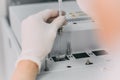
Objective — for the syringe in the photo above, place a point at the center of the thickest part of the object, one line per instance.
(60, 7)
(61, 29)
(60, 13)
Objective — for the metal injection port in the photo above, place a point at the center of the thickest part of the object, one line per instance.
(88, 62)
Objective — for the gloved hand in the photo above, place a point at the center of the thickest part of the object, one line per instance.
(38, 35)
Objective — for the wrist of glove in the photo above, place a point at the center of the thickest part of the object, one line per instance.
(38, 35)
(28, 55)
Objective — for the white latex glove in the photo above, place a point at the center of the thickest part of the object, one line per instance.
(38, 36)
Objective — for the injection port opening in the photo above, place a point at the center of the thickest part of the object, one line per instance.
(100, 52)
(56, 59)
(74, 23)
(69, 66)
(81, 55)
